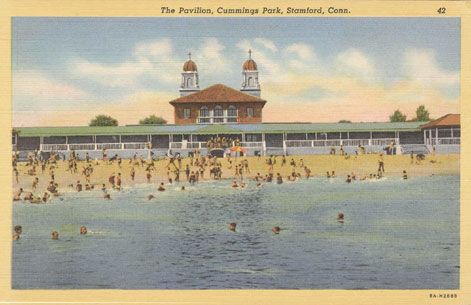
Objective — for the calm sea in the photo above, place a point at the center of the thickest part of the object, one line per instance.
(396, 235)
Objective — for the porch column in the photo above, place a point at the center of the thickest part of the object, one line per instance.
(425, 137)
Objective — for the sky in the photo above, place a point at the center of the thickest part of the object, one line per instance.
(68, 70)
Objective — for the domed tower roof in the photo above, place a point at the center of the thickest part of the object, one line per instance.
(189, 65)
(249, 64)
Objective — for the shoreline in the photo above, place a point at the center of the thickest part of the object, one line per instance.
(361, 165)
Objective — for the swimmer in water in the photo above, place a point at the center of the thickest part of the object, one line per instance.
(78, 187)
(279, 180)
(161, 187)
(259, 184)
(55, 235)
(17, 195)
(328, 174)
(107, 197)
(232, 226)
(340, 218)
(83, 230)
(276, 230)
(28, 196)
(46, 197)
(234, 184)
(183, 188)
(18, 231)
(149, 197)
(35, 200)
(333, 174)
(349, 179)
(242, 184)
(404, 175)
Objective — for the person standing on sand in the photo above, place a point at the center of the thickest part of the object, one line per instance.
(118, 182)
(104, 154)
(308, 172)
(133, 173)
(187, 172)
(111, 180)
(148, 176)
(16, 175)
(381, 163)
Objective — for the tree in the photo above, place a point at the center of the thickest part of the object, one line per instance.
(422, 114)
(153, 120)
(345, 121)
(103, 120)
(397, 116)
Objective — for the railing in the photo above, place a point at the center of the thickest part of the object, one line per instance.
(356, 142)
(251, 144)
(54, 147)
(82, 147)
(109, 146)
(135, 146)
(92, 146)
(193, 145)
(299, 143)
(217, 120)
(176, 145)
(347, 142)
(382, 142)
(446, 141)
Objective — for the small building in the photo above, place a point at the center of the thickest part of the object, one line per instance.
(443, 134)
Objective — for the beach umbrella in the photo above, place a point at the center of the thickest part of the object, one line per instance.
(238, 148)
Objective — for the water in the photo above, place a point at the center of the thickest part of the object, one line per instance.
(397, 235)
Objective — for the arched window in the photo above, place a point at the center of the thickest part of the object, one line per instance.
(189, 82)
(232, 111)
(218, 111)
(250, 81)
(204, 112)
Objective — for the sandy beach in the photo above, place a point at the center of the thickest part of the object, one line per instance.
(361, 165)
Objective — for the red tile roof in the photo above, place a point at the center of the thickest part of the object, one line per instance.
(447, 120)
(218, 94)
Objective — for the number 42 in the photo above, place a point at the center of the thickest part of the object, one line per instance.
(441, 10)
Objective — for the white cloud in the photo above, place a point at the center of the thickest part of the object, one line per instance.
(422, 66)
(154, 59)
(354, 61)
(303, 51)
(266, 43)
(210, 58)
(36, 85)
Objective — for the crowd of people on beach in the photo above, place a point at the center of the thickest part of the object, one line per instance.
(222, 142)
(192, 172)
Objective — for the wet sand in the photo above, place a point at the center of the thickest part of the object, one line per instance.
(361, 165)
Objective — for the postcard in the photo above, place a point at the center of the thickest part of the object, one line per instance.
(247, 153)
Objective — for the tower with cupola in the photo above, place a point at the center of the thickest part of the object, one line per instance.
(250, 84)
(190, 82)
